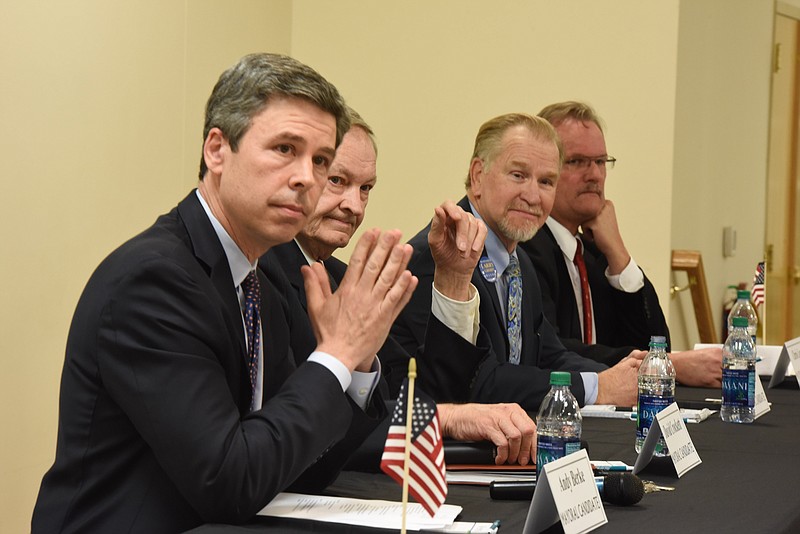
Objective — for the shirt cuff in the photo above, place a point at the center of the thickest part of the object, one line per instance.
(590, 381)
(630, 280)
(364, 384)
(339, 370)
(462, 317)
(359, 386)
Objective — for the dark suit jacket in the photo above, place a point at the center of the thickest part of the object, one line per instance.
(445, 379)
(496, 380)
(623, 321)
(155, 433)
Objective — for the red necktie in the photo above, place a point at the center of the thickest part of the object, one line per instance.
(585, 294)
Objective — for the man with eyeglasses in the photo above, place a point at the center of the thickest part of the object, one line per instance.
(594, 293)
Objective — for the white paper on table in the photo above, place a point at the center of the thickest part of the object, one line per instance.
(363, 512)
(689, 415)
(484, 478)
(607, 411)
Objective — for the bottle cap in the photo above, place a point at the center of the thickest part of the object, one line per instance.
(658, 340)
(739, 322)
(743, 294)
(560, 378)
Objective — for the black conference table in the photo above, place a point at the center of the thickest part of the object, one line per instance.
(749, 480)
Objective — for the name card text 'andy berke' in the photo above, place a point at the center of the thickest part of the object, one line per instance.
(569, 481)
(567, 491)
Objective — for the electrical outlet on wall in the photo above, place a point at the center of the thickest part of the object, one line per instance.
(728, 241)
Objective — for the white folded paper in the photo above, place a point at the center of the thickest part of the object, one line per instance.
(363, 512)
(610, 412)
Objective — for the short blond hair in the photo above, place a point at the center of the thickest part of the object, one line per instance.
(557, 113)
(489, 141)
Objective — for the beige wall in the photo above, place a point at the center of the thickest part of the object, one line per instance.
(426, 75)
(682, 86)
(102, 103)
(721, 125)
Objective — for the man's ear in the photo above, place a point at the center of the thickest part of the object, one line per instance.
(476, 168)
(215, 149)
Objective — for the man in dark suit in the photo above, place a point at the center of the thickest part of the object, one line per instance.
(179, 405)
(623, 306)
(339, 213)
(510, 186)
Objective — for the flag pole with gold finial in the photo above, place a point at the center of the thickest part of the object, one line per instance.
(412, 374)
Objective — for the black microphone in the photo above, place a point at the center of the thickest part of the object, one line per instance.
(622, 489)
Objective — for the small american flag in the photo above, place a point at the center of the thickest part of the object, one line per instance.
(426, 470)
(759, 293)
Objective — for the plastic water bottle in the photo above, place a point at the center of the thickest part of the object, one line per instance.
(738, 375)
(559, 423)
(656, 391)
(744, 308)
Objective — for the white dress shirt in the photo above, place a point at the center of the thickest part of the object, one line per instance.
(240, 268)
(630, 280)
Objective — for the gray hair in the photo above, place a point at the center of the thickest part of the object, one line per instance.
(357, 121)
(244, 90)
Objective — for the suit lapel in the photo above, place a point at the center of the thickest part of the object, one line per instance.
(530, 330)
(488, 290)
(336, 269)
(595, 272)
(209, 251)
(291, 259)
(567, 313)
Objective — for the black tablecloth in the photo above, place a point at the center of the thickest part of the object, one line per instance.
(748, 481)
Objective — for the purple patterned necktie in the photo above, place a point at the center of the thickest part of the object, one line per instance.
(252, 320)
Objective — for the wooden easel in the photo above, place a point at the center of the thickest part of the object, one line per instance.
(691, 261)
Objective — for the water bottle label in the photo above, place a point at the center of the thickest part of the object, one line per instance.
(648, 407)
(738, 388)
(549, 448)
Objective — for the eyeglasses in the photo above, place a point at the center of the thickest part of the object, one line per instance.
(582, 163)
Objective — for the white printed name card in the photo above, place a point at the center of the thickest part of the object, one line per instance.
(669, 422)
(566, 491)
(762, 404)
(789, 353)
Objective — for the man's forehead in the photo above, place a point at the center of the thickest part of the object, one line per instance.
(519, 135)
(355, 157)
(576, 134)
(289, 113)
(525, 148)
